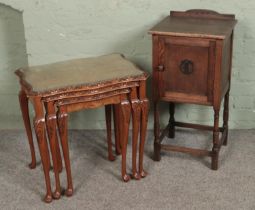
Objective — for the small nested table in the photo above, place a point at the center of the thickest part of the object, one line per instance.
(64, 87)
(192, 54)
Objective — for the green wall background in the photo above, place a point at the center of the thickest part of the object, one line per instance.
(44, 31)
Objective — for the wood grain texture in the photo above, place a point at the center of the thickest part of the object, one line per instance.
(171, 122)
(196, 24)
(136, 117)
(62, 117)
(108, 116)
(116, 92)
(51, 124)
(143, 127)
(117, 128)
(39, 125)
(192, 56)
(23, 100)
(125, 117)
(144, 121)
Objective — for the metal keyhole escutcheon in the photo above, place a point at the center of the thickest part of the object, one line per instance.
(186, 66)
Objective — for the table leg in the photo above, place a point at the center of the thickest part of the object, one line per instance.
(23, 100)
(39, 124)
(216, 140)
(116, 114)
(157, 146)
(136, 116)
(125, 120)
(143, 129)
(51, 124)
(62, 118)
(144, 103)
(171, 133)
(108, 114)
(225, 117)
(59, 157)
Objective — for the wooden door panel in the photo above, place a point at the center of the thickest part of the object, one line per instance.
(187, 68)
(176, 80)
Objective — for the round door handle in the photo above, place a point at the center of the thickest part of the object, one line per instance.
(160, 68)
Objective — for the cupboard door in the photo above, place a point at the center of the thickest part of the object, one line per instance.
(188, 69)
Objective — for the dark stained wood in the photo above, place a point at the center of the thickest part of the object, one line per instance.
(171, 132)
(180, 86)
(226, 99)
(192, 151)
(211, 71)
(185, 98)
(192, 57)
(225, 118)
(117, 127)
(177, 81)
(164, 133)
(196, 126)
(108, 115)
(157, 140)
(202, 13)
(224, 137)
(197, 25)
(216, 140)
(155, 64)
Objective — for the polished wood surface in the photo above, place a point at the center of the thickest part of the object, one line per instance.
(108, 116)
(196, 23)
(125, 118)
(51, 124)
(39, 125)
(136, 117)
(23, 99)
(117, 129)
(192, 53)
(180, 82)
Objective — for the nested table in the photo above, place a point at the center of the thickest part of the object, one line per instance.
(74, 85)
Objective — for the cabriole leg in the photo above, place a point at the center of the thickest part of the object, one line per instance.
(51, 123)
(39, 124)
(136, 115)
(125, 120)
(62, 126)
(23, 100)
(144, 122)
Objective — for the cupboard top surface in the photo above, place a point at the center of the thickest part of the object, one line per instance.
(194, 27)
